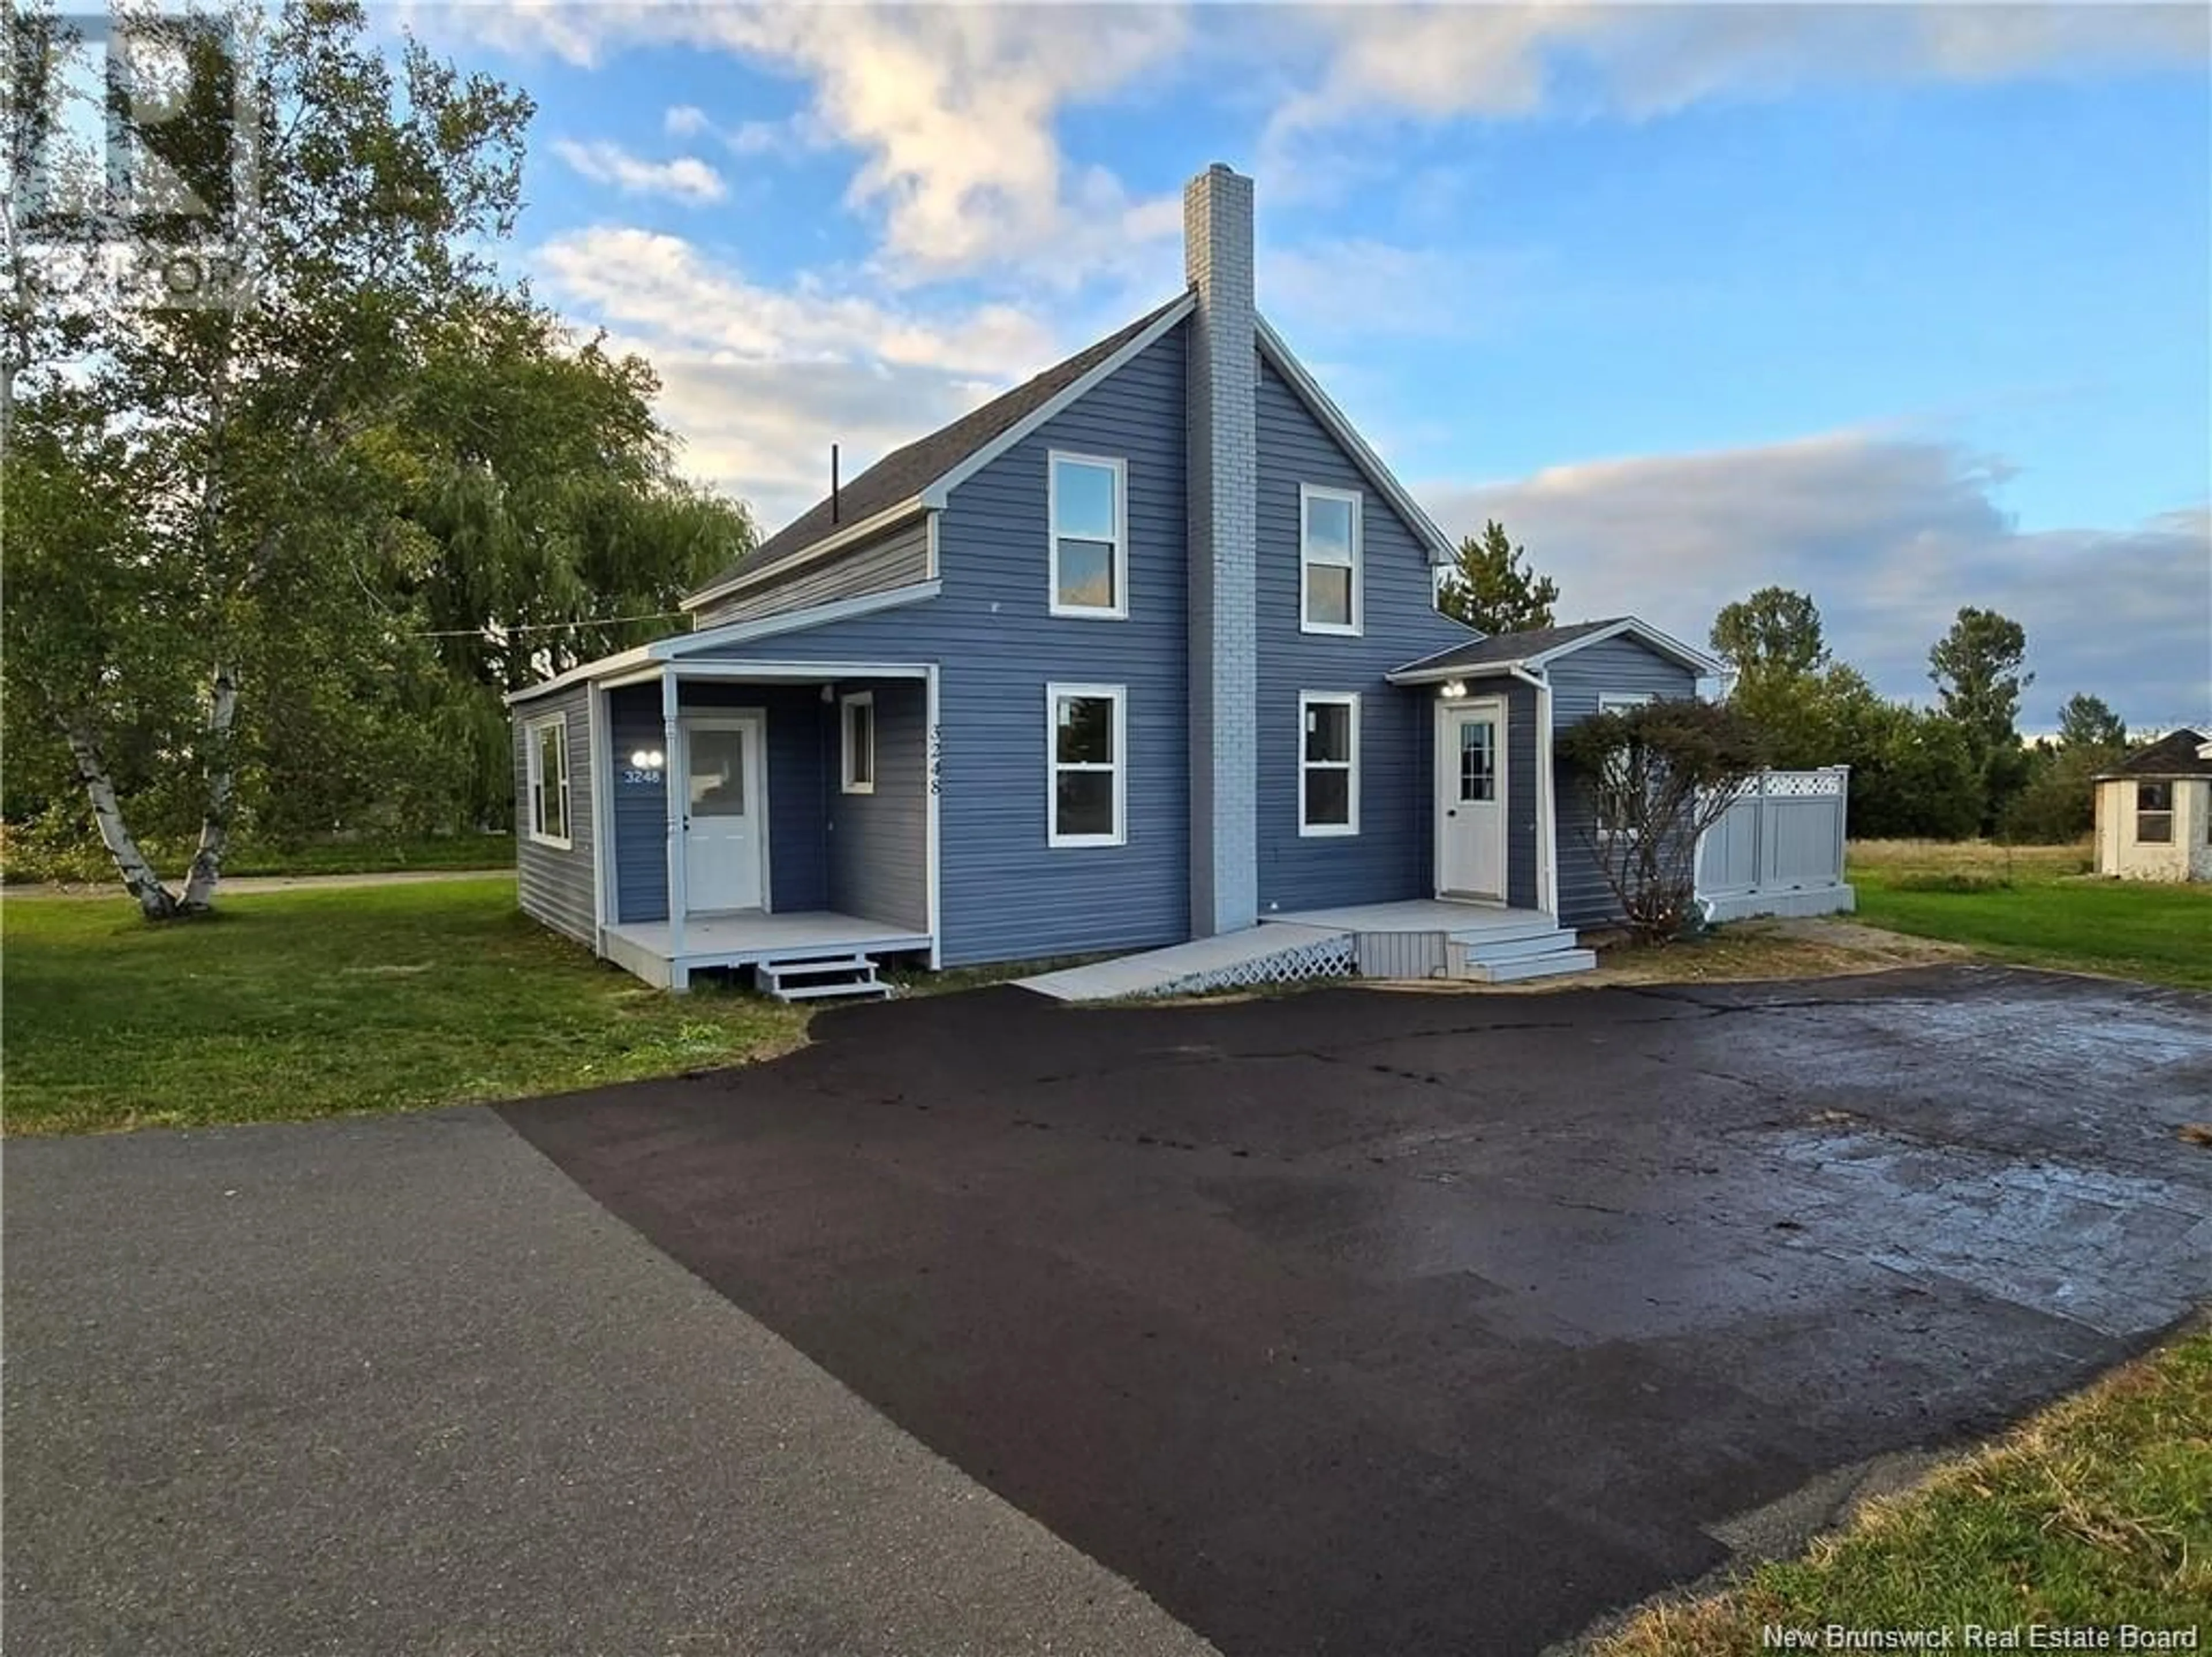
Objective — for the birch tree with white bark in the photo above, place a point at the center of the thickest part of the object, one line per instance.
(184, 491)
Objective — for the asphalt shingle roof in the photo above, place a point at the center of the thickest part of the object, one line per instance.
(906, 471)
(2172, 755)
(1501, 649)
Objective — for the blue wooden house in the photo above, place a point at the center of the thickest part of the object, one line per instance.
(1143, 652)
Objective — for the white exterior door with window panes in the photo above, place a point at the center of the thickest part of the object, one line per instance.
(1471, 800)
(725, 813)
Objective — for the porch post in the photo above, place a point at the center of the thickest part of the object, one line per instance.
(673, 789)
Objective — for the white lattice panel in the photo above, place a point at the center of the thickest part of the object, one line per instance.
(1324, 958)
(1803, 785)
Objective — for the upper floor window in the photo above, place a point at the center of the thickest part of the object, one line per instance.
(547, 748)
(860, 743)
(2154, 813)
(1328, 559)
(1088, 503)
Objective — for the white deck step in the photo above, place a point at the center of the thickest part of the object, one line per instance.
(1516, 929)
(1556, 963)
(1492, 951)
(814, 976)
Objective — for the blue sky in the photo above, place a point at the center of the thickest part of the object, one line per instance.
(1911, 307)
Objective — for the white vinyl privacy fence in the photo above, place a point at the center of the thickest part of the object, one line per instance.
(1778, 848)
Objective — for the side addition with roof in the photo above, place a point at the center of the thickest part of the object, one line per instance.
(2154, 812)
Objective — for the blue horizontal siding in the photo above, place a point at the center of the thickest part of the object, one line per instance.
(897, 558)
(1004, 893)
(799, 873)
(879, 843)
(1625, 666)
(554, 885)
(1392, 855)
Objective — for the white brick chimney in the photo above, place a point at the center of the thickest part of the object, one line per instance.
(1223, 488)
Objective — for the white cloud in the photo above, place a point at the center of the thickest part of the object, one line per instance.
(952, 110)
(758, 381)
(1891, 537)
(647, 280)
(1436, 62)
(685, 178)
(746, 137)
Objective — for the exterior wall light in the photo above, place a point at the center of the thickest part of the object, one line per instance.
(1455, 689)
(647, 760)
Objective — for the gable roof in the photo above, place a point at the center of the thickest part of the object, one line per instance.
(920, 474)
(2178, 753)
(1538, 647)
(900, 477)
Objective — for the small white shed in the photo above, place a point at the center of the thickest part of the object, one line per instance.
(2154, 812)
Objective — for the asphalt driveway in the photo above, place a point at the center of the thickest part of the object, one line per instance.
(393, 1387)
(1366, 1322)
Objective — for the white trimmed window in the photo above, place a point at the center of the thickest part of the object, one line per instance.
(1328, 763)
(1088, 497)
(1086, 765)
(545, 744)
(1620, 701)
(857, 720)
(2154, 813)
(1329, 560)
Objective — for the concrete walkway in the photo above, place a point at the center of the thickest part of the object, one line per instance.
(396, 1386)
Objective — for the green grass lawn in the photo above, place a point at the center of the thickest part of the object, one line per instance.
(2096, 1512)
(2032, 904)
(24, 860)
(313, 1004)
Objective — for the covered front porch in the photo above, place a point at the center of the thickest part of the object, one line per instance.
(759, 815)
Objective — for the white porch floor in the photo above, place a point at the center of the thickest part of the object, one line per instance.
(1460, 920)
(644, 946)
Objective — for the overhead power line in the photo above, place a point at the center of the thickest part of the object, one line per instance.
(545, 626)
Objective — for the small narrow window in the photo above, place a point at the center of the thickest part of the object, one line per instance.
(2154, 813)
(1089, 506)
(859, 742)
(1329, 765)
(1329, 560)
(1619, 702)
(547, 747)
(1086, 765)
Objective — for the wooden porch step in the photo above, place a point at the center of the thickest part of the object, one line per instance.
(809, 978)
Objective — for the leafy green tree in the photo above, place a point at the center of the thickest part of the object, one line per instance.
(2057, 803)
(1977, 667)
(199, 458)
(1913, 775)
(1775, 635)
(1492, 587)
(2086, 722)
(1652, 779)
(540, 521)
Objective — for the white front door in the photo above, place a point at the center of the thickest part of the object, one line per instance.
(1471, 800)
(725, 811)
